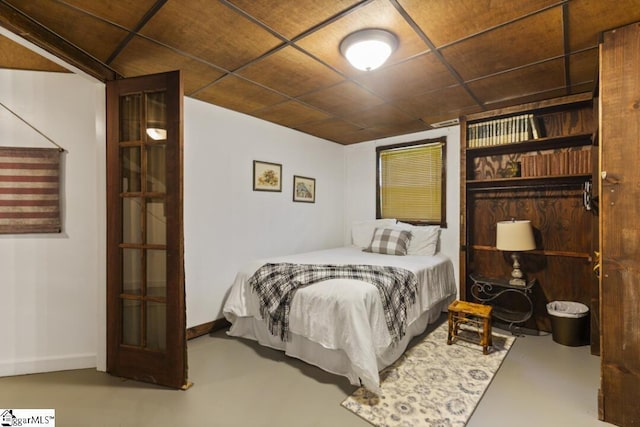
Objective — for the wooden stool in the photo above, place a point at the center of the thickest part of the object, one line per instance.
(469, 313)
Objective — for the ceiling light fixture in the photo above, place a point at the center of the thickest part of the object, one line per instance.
(368, 49)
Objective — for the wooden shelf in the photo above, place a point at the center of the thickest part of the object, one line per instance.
(568, 254)
(533, 145)
(528, 181)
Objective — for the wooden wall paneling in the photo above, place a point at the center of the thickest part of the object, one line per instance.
(557, 216)
(464, 231)
(561, 262)
(572, 122)
(620, 235)
(552, 200)
(595, 243)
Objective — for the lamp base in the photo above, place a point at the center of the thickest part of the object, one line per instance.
(517, 282)
(517, 277)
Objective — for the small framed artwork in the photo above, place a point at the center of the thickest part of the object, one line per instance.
(304, 189)
(267, 176)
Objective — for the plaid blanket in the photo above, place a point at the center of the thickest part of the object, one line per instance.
(275, 285)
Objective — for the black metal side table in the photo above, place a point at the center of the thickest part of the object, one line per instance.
(487, 290)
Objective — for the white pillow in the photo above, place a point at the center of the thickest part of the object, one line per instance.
(424, 239)
(362, 231)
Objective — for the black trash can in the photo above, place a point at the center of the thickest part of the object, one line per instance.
(569, 322)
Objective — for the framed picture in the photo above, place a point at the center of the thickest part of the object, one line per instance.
(267, 176)
(304, 189)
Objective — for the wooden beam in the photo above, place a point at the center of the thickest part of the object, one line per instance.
(34, 32)
(147, 16)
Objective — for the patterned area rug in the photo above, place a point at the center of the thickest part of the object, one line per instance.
(432, 384)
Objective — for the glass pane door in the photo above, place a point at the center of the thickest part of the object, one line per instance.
(146, 309)
(143, 244)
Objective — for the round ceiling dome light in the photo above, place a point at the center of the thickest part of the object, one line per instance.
(368, 49)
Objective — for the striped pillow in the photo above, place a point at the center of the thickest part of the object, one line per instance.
(389, 241)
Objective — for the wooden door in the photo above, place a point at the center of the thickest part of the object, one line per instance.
(620, 232)
(146, 320)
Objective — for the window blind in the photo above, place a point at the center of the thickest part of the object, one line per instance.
(411, 182)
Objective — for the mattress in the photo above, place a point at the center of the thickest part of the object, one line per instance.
(339, 324)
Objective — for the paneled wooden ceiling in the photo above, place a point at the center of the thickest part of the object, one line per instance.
(279, 60)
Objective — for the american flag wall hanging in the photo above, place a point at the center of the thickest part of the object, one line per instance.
(29, 190)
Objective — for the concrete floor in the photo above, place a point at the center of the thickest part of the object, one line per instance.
(237, 383)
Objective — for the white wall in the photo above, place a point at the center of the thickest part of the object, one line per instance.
(53, 286)
(50, 284)
(360, 186)
(226, 223)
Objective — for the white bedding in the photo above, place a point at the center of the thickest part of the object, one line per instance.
(339, 325)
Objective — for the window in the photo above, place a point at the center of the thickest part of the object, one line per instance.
(411, 182)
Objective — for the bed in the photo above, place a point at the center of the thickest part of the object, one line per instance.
(339, 325)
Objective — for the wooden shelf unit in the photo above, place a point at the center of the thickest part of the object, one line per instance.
(528, 181)
(553, 202)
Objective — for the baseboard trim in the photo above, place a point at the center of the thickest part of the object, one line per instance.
(82, 361)
(207, 328)
(47, 364)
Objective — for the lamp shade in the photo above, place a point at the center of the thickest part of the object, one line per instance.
(515, 236)
(368, 49)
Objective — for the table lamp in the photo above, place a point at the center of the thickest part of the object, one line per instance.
(515, 236)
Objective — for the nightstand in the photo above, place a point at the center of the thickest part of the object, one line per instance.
(488, 290)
